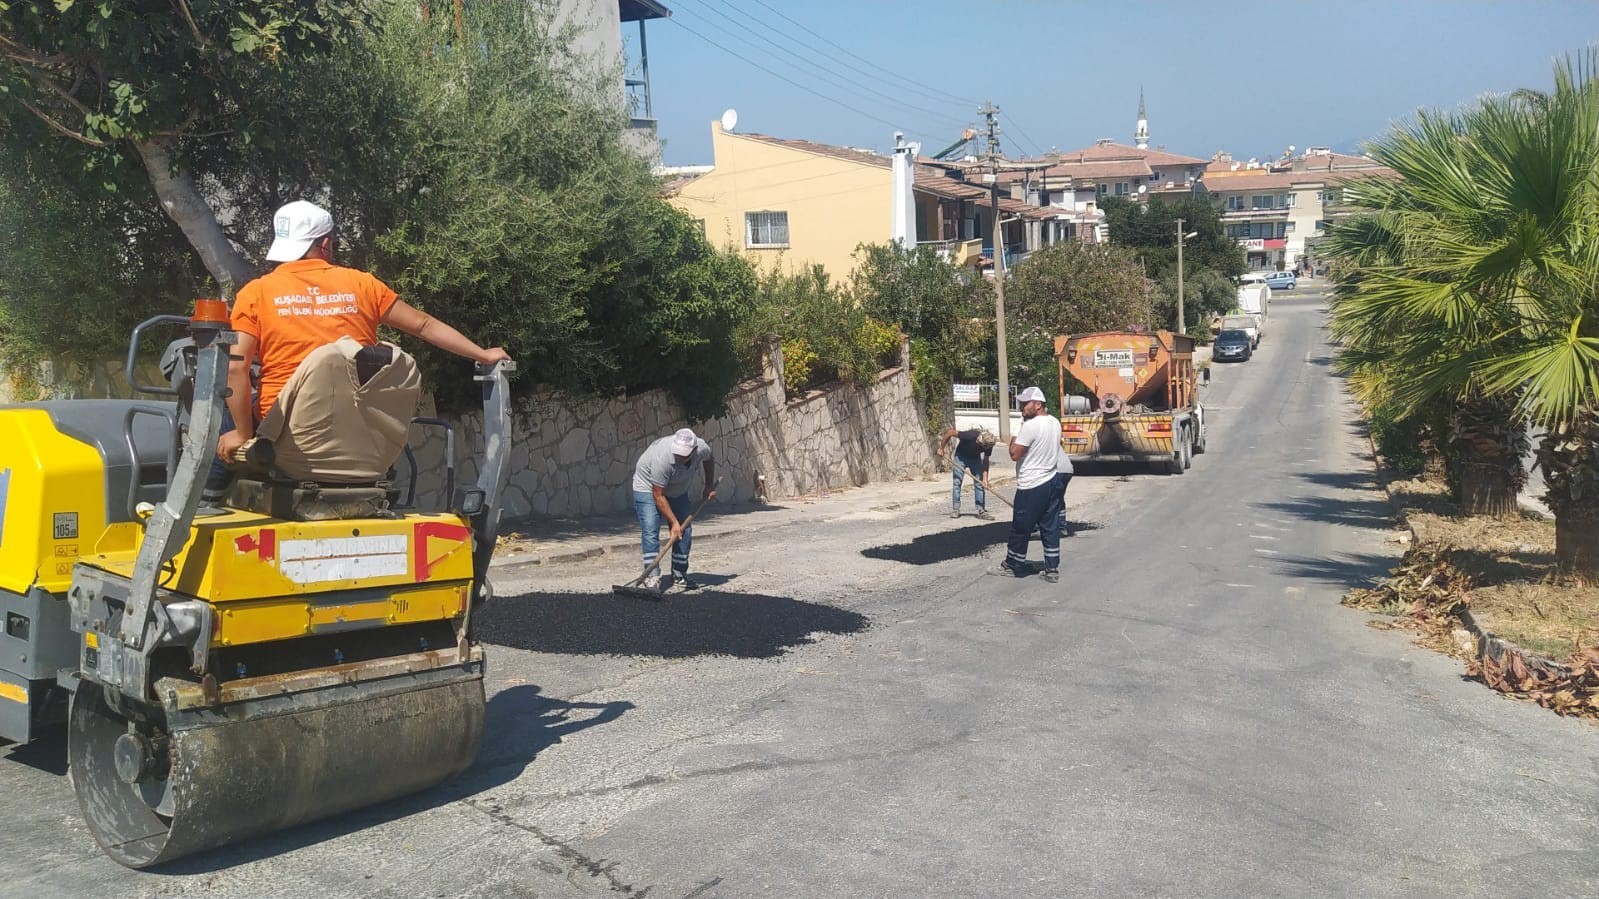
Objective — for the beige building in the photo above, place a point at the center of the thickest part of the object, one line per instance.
(1277, 210)
(796, 203)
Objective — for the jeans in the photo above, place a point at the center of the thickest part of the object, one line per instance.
(958, 473)
(649, 520)
(1036, 508)
(221, 476)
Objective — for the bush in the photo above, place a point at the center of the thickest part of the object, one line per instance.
(825, 333)
(938, 307)
(1399, 440)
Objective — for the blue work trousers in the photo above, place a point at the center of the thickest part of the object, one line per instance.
(649, 520)
(1036, 508)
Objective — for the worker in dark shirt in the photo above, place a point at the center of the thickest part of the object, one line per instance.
(972, 451)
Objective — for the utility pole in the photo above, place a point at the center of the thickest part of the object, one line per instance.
(1182, 320)
(990, 112)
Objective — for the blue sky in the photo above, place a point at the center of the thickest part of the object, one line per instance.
(1251, 78)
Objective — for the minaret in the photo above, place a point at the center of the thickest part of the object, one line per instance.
(1141, 134)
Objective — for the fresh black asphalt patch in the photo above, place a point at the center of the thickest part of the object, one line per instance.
(955, 543)
(682, 625)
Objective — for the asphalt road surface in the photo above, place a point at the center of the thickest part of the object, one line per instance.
(855, 709)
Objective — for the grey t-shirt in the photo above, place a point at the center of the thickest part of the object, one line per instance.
(1041, 435)
(657, 467)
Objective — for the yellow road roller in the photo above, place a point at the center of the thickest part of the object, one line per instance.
(300, 650)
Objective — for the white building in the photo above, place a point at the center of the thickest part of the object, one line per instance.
(1276, 210)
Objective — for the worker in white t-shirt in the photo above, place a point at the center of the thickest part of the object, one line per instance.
(1036, 451)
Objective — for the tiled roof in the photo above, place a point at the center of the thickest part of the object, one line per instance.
(805, 146)
(929, 181)
(1259, 179)
(1104, 152)
(1093, 171)
(671, 186)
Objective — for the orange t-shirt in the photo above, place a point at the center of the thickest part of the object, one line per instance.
(303, 305)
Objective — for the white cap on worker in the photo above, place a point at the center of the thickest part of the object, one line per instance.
(683, 442)
(295, 227)
(1031, 394)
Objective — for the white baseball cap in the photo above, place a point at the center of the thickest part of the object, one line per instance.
(295, 227)
(1031, 394)
(683, 442)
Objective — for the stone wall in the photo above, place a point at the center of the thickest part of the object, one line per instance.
(574, 457)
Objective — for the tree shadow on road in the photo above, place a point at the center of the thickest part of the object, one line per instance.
(682, 625)
(1348, 570)
(955, 543)
(1344, 480)
(1358, 513)
(520, 723)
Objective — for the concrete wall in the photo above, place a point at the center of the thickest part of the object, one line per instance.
(833, 205)
(575, 457)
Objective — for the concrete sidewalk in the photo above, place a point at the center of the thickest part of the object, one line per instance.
(565, 540)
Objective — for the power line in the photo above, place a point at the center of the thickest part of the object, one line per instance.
(908, 85)
(889, 72)
(1024, 135)
(785, 79)
(827, 76)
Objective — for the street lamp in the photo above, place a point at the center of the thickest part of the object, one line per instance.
(1182, 319)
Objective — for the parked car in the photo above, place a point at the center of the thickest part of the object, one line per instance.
(1252, 278)
(1232, 346)
(1282, 280)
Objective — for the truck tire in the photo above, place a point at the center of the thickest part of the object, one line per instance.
(1188, 449)
(1199, 445)
(1175, 465)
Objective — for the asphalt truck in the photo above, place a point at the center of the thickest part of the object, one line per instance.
(1130, 396)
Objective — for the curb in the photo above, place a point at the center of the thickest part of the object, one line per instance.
(1490, 646)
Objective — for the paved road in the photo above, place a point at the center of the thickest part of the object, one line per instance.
(856, 710)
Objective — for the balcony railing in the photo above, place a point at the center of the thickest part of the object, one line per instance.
(1277, 212)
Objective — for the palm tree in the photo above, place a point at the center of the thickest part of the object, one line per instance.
(1476, 280)
(1396, 311)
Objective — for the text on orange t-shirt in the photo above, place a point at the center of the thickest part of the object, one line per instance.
(302, 305)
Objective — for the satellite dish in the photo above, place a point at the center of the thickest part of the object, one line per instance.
(730, 120)
(1143, 188)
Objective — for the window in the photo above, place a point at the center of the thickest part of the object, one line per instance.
(1288, 227)
(765, 229)
(1101, 189)
(1122, 189)
(1235, 202)
(1265, 202)
(1155, 177)
(1287, 200)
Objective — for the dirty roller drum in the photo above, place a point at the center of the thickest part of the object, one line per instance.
(277, 659)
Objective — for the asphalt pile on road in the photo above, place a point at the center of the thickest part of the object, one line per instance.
(683, 625)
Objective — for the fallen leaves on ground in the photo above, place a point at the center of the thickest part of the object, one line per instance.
(1571, 688)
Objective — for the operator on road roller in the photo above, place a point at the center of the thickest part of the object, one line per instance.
(299, 648)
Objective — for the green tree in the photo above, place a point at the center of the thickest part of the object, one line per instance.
(1210, 257)
(475, 165)
(938, 306)
(1475, 278)
(1070, 288)
(151, 83)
